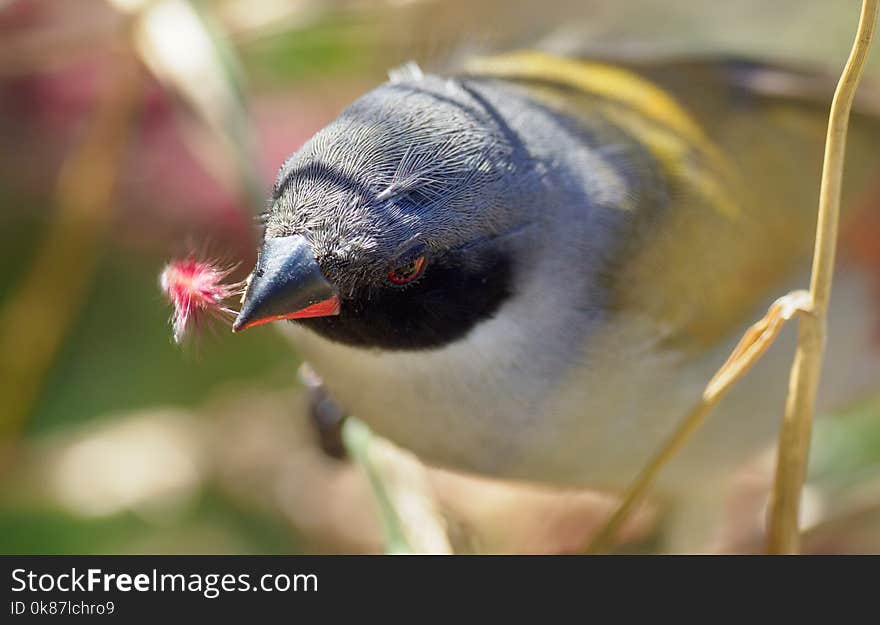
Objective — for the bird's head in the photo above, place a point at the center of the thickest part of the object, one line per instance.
(390, 228)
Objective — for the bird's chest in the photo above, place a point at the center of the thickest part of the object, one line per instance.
(505, 403)
(469, 405)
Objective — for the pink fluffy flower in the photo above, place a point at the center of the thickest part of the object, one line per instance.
(196, 289)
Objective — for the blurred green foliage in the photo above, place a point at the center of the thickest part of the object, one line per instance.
(846, 447)
(210, 524)
(324, 51)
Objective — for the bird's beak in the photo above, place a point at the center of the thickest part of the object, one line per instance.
(286, 284)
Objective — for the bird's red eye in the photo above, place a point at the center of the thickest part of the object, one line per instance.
(407, 272)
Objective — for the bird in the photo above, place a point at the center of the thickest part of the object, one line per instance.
(530, 268)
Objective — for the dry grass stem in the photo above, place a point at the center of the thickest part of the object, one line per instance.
(754, 343)
(794, 437)
(410, 519)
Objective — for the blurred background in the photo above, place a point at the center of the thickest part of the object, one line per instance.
(134, 131)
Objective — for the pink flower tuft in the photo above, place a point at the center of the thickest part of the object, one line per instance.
(196, 288)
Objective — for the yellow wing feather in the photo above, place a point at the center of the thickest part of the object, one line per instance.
(743, 167)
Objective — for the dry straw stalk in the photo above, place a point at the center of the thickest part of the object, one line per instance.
(794, 437)
(811, 307)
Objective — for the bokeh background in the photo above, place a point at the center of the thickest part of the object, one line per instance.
(134, 131)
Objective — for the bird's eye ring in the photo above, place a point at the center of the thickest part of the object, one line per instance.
(408, 271)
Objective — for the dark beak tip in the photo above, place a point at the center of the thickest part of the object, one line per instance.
(243, 319)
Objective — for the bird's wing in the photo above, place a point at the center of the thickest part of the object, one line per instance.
(741, 144)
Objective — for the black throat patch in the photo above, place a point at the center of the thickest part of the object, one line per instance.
(455, 293)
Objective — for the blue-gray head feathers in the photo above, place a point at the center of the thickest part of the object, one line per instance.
(422, 162)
